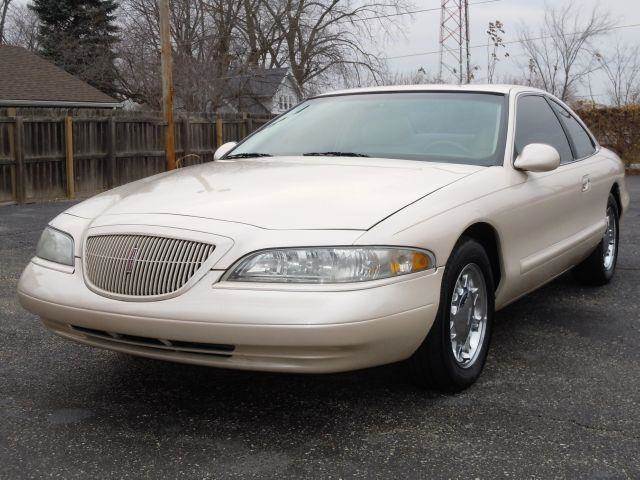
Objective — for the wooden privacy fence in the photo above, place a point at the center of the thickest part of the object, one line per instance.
(63, 157)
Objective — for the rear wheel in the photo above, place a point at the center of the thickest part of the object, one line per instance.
(453, 355)
(599, 267)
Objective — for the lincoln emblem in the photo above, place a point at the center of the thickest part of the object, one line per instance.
(131, 260)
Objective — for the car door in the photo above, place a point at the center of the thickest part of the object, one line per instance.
(594, 172)
(544, 227)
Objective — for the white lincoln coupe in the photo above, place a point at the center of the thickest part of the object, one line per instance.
(360, 228)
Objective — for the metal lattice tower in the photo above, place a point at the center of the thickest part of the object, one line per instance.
(455, 58)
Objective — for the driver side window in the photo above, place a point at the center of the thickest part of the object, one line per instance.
(536, 123)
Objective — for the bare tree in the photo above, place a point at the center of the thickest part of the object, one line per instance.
(21, 27)
(322, 39)
(495, 45)
(4, 11)
(264, 37)
(622, 70)
(206, 39)
(418, 77)
(217, 41)
(560, 53)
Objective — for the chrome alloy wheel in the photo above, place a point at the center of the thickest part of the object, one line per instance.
(468, 315)
(610, 240)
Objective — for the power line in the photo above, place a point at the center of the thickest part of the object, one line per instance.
(545, 37)
(377, 17)
(593, 95)
(412, 12)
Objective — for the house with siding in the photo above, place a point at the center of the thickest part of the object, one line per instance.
(262, 91)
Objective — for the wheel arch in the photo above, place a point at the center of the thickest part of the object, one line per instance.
(615, 191)
(487, 236)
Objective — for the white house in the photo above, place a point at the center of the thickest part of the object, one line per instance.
(262, 91)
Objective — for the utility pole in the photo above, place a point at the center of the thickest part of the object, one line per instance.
(167, 83)
(455, 55)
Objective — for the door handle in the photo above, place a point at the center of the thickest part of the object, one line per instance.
(586, 183)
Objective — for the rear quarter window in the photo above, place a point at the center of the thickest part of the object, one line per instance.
(582, 142)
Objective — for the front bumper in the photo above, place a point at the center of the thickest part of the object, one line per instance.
(318, 329)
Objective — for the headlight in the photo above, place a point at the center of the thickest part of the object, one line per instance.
(55, 246)
(330, 265)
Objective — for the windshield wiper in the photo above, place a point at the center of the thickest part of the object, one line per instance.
(335, 154)
(248, 155)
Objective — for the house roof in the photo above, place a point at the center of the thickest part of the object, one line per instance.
(258, 82)
(29, 80)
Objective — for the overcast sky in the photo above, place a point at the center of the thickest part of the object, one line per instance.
(422, 33)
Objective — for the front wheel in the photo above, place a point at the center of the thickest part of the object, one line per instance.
(453, 355)
(599, 267)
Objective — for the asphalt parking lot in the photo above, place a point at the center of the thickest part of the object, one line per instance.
(559, 398)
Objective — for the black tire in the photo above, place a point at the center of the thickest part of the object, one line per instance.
(593, 270)
(433, 365)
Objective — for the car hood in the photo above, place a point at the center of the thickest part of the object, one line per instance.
(282, 193)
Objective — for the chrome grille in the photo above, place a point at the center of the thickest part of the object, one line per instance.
(142, 265)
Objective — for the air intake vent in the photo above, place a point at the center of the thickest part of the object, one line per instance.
(142, 265)
(219, 350)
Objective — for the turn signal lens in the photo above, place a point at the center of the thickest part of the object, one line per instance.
(414, 262)
(330, 264)
(421, 261)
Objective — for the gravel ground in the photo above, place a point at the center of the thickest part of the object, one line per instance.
(559, 397)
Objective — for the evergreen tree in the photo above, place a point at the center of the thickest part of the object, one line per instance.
(79, 36)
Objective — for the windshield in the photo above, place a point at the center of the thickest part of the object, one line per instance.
(466, 128)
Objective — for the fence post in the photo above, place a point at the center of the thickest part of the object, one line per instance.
(18, 157)
(112, 153)
(186, 139)
(219, 136)
(68, 135)
(11, 128)
(249, 127)
(243, 127)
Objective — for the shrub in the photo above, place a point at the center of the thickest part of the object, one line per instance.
(617, 128)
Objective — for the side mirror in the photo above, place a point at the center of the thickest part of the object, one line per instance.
(538, 157)
(224, 149)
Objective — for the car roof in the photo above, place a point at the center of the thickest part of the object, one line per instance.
(501, 89)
